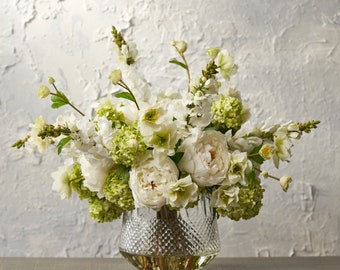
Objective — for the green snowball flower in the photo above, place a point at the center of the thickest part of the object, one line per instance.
(76, 183)
(116, 188)
(103, 210)
(228, 113)
(127, 145)
(248, 204)
(108, 110)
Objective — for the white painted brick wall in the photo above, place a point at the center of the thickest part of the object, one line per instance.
(289, 58)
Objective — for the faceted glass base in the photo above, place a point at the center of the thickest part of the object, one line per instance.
(168, 262)
(168, 239)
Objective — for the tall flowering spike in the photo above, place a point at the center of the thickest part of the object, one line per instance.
(309, 125)
(118, 38)
(128, 51)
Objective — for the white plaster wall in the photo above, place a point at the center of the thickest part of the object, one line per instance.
(289, 58)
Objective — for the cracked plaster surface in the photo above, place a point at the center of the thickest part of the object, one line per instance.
(289, 57)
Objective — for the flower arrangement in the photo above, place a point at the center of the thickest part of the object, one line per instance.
(142, 150)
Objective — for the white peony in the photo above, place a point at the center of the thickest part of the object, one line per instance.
(205, 157)
(150, 178)
(95, 171)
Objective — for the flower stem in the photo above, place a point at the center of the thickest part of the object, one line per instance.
(62, 96)
(124, 85)
(269, 175)
(181, 54)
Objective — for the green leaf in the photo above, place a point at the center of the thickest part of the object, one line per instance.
(63, 142)
(57, 105)
(179, 63)
(125, 95)
(251, 176)
(58, 101)
(177, 157)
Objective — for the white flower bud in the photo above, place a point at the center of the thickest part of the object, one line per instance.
(180, 45)
(265, 174)
(285, 181)
(115, 76)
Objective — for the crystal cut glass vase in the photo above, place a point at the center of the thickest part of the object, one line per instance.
(169, 239)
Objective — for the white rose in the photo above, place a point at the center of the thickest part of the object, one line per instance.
(205, 158)
(95, 171)
(150, 178)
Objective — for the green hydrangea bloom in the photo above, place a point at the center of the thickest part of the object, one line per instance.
(127, 145)
(249, 202)
(76, 183)
(116, 188)
(227, 112)
(103, 210)
(109, 111)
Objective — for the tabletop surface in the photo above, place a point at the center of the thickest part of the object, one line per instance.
(273, 263)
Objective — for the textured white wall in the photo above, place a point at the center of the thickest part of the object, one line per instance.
(289, 58)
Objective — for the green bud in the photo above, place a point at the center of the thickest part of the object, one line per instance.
(43, 91)
(51, 80)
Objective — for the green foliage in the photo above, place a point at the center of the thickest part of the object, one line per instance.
(62, 143)
(59, 100)
(179, 63)
(254, 155)
(125, 95)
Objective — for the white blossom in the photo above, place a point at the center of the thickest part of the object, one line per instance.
(61, 182)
